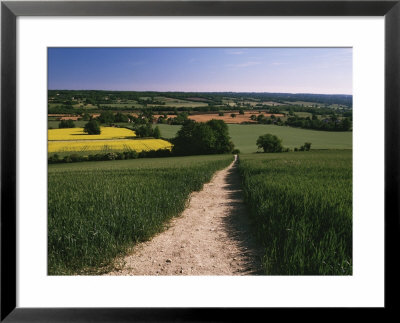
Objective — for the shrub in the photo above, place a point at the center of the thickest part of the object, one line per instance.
(132, 154)
(120, 156)
(67, 159)
(54, 159)
(75, 158)
(110, 156)
(106, 117)
(305, 147)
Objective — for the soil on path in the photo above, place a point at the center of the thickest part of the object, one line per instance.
(211, 237)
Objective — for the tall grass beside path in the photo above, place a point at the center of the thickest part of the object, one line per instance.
(97, 211)
(301, 203)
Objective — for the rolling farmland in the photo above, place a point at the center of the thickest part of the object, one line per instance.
(300, 202)
(201, 161)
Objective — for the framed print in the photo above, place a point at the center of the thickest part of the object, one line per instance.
(138, 135)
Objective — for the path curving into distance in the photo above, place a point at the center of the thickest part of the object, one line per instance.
(211, 237)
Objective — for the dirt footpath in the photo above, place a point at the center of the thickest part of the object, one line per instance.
(211, 237)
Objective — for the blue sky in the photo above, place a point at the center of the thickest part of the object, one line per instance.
(293, 70)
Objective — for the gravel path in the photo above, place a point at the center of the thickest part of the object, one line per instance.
(211, 237)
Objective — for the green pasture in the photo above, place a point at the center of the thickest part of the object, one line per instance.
(245, 136)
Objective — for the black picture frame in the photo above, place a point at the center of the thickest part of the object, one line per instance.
(10, 10)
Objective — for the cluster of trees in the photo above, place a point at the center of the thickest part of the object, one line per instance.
(327, 99)
(103, 100)
(332, 123)
(313, 110)
(180, 119)
(272, 144)
(131, 154)
(147, 131)
(142, 124)
(66, 124)
(60, 109)
(198, 138)
(109, 117)
(265, 120)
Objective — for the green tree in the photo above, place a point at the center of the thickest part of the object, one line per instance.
(221, 132)
(86, 116)
(260, 117)
(92, 128)
(66, 124)
(106, 117)
(181, 118)
(120, 117)
(144, 131)
(156, 132)
(270, 143)
(346, 124)
(307, 146)
(202, 138)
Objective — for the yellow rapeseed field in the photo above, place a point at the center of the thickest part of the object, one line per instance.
(107, 145)
(110, 139)
(78, 134)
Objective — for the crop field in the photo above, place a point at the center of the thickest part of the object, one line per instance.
(245, 136)
(227, 118)
(98, 210)
(78, 134)
(178, 103)
(92, 146)
(168, 131)
(301, 204)
(53, 124)
(130, 104)
(111, 139)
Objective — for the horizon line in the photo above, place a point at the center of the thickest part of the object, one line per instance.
(176, 91)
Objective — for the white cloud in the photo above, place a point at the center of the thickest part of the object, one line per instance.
(245, 64)
(235, 52)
